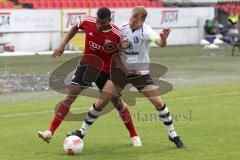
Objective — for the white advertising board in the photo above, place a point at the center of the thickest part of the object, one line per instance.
(50, 20)
(159, 17)
(29, 20)
(71, 17)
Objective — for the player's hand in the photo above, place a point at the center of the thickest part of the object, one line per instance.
(124, 44)
(164, 34)
(58, 52)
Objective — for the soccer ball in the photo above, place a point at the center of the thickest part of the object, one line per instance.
(73, 145)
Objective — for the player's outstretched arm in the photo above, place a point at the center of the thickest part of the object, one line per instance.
(116, 59)
(59, 51)
(162, 40)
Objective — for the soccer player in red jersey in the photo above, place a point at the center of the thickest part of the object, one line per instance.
(102, 41)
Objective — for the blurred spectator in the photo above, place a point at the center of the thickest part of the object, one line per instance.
(211, 27)
(233, 27)
(233, 19)
(215, 30)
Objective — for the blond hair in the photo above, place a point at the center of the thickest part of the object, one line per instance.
(140, 11)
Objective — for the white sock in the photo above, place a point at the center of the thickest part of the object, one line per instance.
(91, 117)
(172, 133)
(84, 128)
(167, 120)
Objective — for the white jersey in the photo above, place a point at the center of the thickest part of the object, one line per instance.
(137, 55)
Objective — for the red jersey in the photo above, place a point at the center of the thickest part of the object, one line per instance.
(100, 44)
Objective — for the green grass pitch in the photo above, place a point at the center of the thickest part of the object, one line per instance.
(204, 104)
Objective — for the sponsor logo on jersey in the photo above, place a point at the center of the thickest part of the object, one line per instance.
(131, 53)
(94, 46)
(135, 40)
(110, 46)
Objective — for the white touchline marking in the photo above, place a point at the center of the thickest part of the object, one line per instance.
(200, 96)
(141, 101)
(24, 114)
(33, 113)
(204, 96)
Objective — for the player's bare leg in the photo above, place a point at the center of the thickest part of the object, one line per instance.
(61, 111)
(109, 92)
(150, 91)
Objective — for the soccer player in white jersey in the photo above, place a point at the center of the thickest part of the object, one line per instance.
(139, 37)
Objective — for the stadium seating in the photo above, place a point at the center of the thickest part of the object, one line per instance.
(56, 4)
(229, 7)
(6, 4)
(1, 5)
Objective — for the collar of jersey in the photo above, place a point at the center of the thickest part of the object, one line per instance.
(108, 29)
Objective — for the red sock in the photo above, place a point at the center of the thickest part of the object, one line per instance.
(60, 114)
(126, 117)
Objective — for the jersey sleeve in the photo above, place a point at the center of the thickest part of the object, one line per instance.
(150, 34)
(123, 25)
